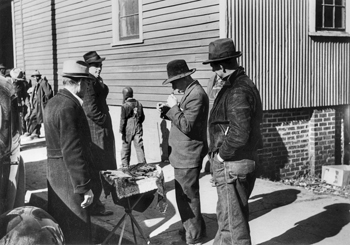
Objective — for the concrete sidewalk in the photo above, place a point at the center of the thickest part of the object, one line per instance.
(279, 214)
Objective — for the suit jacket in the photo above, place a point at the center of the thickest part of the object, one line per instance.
(188, 133)
(100, 123)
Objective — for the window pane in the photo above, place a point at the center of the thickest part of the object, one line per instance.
(128, 19)
(338, 2)
(328, 1)
(319, 14)
(339, 17)
(328, 17)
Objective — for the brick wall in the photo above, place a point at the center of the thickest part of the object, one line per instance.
(300, 141)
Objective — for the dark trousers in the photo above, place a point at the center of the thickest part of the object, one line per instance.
(96, 187)
(126, 150)
(188, 202)
(232, 207)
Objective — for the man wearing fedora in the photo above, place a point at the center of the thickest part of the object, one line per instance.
(68, 156)
(188, 142)
(100, 123)
(42, 92)
(234, 133)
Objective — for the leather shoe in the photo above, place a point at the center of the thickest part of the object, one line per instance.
(102, 213)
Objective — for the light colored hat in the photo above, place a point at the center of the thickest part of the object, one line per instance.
(36, 73)
(2, 66)
(17, 73)
(75, 69)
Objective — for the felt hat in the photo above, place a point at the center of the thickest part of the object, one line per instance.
(222, 49)
(17, 73)
(75, 69)
(177, 69)
(2, 66)
(36, 73)
(93, 57)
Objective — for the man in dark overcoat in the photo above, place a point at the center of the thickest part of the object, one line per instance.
(234, 132)
(188, 142)
(42, 92)
(100, 123)
(68, 156)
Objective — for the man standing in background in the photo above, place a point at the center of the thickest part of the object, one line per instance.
(42, 92)
(100, 123)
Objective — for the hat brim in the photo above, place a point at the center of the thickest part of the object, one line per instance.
(34, 75)
(95, 61)
(174, 78)
(76, 76)
(237, 54)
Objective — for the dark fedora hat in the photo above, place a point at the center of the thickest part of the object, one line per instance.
(222, 49)
(75, 69)
(177, 69)
(93, 57)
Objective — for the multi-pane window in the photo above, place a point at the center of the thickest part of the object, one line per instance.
(330, 15)
(127, 21)
(329, 18)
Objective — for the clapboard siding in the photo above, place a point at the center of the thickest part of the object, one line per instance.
(291, 68)
(33, 27)
(171, 30)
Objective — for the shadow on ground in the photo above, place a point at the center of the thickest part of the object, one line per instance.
(316, 228)
(264, 203)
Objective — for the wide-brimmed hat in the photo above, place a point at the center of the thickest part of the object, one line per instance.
(93, 57)
(75, 69)
(222, 49)
(36, 73)
(17, 73)
(2, 66)
(177, 69)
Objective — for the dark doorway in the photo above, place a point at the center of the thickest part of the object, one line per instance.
(6, 41)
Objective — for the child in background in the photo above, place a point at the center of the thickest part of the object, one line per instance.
(131, 120)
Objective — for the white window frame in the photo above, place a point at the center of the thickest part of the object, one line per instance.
(115, 26)
(312, 22)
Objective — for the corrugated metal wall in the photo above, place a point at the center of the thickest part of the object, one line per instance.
(290, 68)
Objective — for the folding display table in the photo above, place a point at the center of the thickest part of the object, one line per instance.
(134, 194)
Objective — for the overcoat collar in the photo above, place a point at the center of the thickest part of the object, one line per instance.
(66, 93)
(188, 90)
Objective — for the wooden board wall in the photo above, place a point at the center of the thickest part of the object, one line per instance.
(171, 29)
(33, 32)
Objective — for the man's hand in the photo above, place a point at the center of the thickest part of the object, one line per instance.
(88, 198)
(172, 100)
